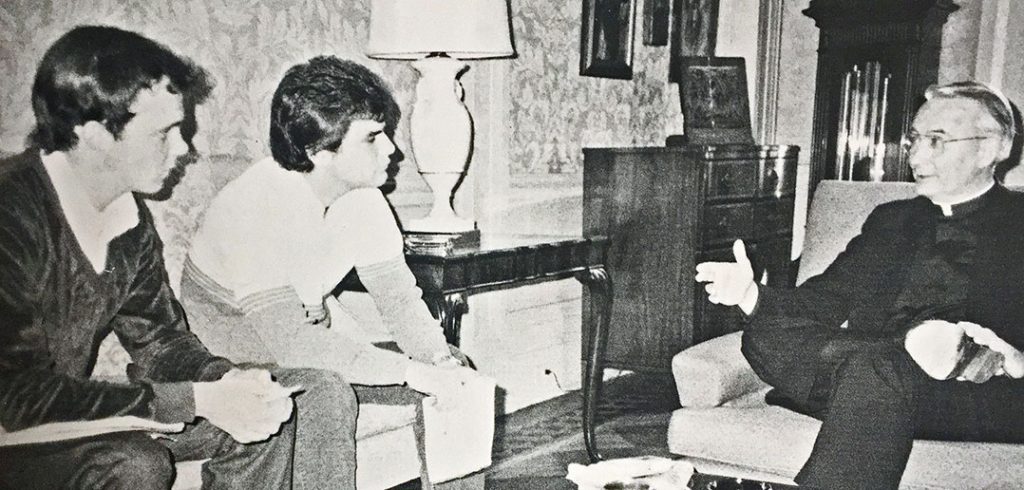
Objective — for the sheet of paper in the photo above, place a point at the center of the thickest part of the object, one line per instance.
(62, 431)
(451, 457)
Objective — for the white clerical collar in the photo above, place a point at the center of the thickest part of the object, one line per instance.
(947, 207)
(93, 228)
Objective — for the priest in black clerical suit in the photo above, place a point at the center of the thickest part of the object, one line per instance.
(952, 260)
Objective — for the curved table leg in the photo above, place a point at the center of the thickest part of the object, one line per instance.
(600, 285)
(449, 309)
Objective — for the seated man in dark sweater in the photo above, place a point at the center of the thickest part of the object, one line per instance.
(870, 345)
(79, 258)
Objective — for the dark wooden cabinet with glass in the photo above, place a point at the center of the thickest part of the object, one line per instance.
(875, 60)
(665, 209)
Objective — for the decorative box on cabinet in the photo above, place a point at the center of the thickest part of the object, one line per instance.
(666, 209)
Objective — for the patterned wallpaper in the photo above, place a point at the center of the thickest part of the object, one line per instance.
(247, 45)
(556, 112)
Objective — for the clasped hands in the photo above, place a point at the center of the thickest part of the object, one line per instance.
(934, 345)
(246, 403)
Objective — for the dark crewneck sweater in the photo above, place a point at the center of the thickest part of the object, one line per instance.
(55, 309)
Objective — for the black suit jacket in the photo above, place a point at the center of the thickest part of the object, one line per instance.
(865, 284)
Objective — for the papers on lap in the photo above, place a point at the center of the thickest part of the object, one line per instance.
(63, 431)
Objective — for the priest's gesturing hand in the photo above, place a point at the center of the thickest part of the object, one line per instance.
(246, 403)
(730, 283)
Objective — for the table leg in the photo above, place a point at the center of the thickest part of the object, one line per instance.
(600, 285)
(448, 308)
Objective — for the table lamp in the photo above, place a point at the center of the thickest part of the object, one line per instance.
(438, 34)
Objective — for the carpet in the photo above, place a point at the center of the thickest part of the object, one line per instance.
(534, 446)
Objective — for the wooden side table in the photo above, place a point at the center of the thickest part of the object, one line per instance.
(510, 261)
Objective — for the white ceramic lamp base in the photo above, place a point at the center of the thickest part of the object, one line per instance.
(442, 134)
(442, 218)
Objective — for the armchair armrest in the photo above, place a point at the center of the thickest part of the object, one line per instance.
(713, 372)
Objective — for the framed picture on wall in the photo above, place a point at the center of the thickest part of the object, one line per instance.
(713, 96)
(606, 39)
(656, 20)
(694, 31)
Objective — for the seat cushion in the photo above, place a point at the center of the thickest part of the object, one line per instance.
(376, 419)
(714, 372)
(747, 442)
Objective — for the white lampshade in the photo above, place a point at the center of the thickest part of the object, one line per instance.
(464, 29)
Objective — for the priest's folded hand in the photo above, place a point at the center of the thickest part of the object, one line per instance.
(944, 350)
(1013, 358)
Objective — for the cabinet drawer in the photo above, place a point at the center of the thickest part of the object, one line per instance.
(724, 223)
(774, 217)
(714, 320)
(731, 179)
(777, 177)
(774, 256)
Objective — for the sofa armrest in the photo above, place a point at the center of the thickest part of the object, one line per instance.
(713, 372)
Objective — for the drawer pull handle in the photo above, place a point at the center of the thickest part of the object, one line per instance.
(771, 179)
(725, 183)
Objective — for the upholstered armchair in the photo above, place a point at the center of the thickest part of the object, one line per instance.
(725, 427)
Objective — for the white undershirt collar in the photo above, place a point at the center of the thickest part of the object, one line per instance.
(93, 228)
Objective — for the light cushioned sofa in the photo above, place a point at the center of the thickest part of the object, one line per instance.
(386, 445)
(725, 427)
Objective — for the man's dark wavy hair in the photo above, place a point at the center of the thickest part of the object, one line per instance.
(93, 73)
(316, 102)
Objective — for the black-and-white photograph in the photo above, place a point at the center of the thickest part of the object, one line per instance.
(511, 244)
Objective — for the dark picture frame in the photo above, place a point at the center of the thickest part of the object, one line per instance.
(606, 39)
(694, 31)
(656, 21)
(713, 97)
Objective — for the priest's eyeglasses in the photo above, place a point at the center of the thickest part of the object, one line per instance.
(936, 142)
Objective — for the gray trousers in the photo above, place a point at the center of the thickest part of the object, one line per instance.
(315, 449)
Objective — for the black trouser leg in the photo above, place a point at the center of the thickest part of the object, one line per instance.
(320, 438)
(134, 461)
(856, 386)
(125, 460)
(788, 360)
(881, 401)
(866, 437)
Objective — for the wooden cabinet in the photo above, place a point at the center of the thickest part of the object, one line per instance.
(666, 209)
